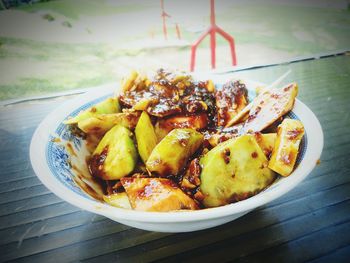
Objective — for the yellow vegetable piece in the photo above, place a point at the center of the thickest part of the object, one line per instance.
(120, 200)
(101, 123)
(145, 136)
(195, 122)
(115, 156)
(285, 152)
(173, 151)
(183, 78)
(129, 82)
(234, 170)
(142, 104)
(266, 142)
(210, 86)
(110, 105)
(269, 106)
(156, 194)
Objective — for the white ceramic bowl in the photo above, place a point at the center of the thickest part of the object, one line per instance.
(51, 162)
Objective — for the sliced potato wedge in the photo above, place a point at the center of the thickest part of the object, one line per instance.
(156, 194)
(115, 156)
(195, 122)
(120, 200)
(100, 124)
(234, 170)
(128, 82)
(266, 142)
(173, 152)
(110, 105)
(269, 106)
(145, 136)
(286, 149)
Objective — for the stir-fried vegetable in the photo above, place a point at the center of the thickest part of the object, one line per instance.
(101, 123)
(195, 146)
(110, 105)
(145, 136)
(156, 194)
(115, 155)
(233, 171)
(285, 152)
(269, 106)
(120, 200)
(173, 152)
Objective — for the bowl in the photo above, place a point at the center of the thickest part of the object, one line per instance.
(58, 159)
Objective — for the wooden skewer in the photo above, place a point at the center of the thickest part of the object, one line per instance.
(247, 108)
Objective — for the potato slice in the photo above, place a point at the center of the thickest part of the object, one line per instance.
(269, 106)
(120, 200)
(115, 156)
(145, 136)
(266, 142)
(172, 153)
(156, 194)
(285, 151)
(195, 122)
(210, 86)
(101, 123)
(234, 170)
(110, 105)
(128, 82)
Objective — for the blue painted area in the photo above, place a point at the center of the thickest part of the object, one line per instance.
(58, 162)
(57, 156)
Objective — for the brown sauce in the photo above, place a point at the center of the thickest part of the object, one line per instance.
(96, 162)
(168, 98)
(81, 179)
(226, 155)
(254, 155)
(294, 134)
(253, 115)
(231, 97)
(70, 149)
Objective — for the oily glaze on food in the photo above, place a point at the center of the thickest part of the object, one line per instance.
(171, 143)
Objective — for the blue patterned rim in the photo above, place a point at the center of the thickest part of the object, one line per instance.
(58, 158)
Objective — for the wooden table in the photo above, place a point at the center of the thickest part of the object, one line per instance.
(309, 223)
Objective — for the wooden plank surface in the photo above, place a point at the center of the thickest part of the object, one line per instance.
(310, 223)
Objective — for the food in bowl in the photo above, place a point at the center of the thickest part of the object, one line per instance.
(170, 143)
